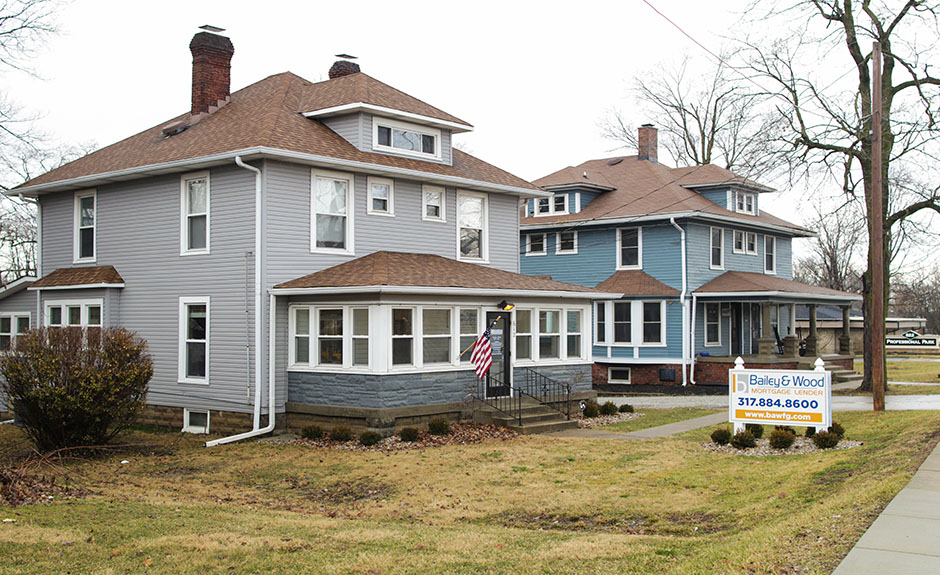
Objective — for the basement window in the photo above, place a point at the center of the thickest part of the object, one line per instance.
(195, 421)
(618, 375)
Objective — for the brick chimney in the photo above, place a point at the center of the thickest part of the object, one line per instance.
(212, 64)
(647, 143)
(343, 68)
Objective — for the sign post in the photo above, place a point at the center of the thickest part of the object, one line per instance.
(780, 396)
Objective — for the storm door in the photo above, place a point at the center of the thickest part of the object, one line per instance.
(498, 378)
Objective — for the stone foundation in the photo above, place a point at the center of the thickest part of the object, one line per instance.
(220, 422)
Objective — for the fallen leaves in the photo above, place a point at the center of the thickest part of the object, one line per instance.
(460, 434)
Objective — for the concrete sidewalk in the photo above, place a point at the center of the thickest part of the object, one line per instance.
(648, 433)
(905, 539)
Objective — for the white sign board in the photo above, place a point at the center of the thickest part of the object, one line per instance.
(780, 396)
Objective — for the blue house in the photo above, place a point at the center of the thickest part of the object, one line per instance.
(705, 272)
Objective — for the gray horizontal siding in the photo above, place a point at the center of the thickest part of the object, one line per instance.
(349, 126)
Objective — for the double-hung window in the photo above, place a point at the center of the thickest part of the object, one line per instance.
(560, 204)
(381, 196)
(717, 252)
(435, 330)
(629, 247)
(600, 319)
(194, 340)
(557, 204)
(86, 218)
(566, 242)
(750, 242)
(770, 254)
(11, 326)
(549, 334)
(623, 326)
(653, 322)
(332, 214)
(330, 336)
(574, 333)
(194, 225)
(523, 334)
(402, 336)
(406, 139)
(738, 246)
(79, 313)
(432, 203)
(744, 203)
(471, 226)
(360, 336)
(469, 330)
(535, 245)
(301, 343)
(712, 324)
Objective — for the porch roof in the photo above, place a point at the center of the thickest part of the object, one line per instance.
(754, 285)
(426, 273)
(636, 283)
(83, 277)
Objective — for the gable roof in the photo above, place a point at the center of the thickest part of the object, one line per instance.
(646, 188)
(636, 283)
(84, 277)
(265, 120)
(408, 271)
(756, 284)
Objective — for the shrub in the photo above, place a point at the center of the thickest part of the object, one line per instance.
(781, 438)
(626, 408)
(409, 434)
(439, 426)
(72, 387)
(721, 436)
(743, 440)
(837, 428)
(591, 409)
(340, 433)
(311, 432)
(369, 438)
(756, 430)
(785, 428)
(810, 431)
(826, 440)
(609, 408)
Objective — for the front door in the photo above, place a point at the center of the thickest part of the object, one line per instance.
(736, 320)
(498, 380)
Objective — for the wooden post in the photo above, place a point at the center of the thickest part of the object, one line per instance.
(877, 240)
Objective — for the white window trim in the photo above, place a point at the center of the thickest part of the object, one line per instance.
(485, 234)
(76, 236)
(773, 241)
(561, 334)
(185, 301)
(416, 339)
(734, 242)
(390, 212)
(477, 330)
(566, 209)
(532, 333)
(743, 197)
(528, 245)
(612, 329)
(551, 206)
(610, 377)
(184, 214)
(450, 335)
(663, 334)
(67, 303)
(423, 130)
(350, 211)
(639, 245)
(569, 333)
(424, 205)
(711, 246)
(188, 427)
(598, 306)
(746, 236)
(705, 323)
(558, 249)
(14, 316)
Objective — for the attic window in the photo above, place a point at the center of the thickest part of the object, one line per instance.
(745, 203)
(555, 205)
(407, 139)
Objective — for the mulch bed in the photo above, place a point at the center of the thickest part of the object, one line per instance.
(460, 434)
(801, 446)
(601, 420)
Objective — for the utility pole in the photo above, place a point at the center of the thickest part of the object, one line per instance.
(877, 240)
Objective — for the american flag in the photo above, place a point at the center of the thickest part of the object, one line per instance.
(482, 356)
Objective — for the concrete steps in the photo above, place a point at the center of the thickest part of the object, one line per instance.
(536, 418)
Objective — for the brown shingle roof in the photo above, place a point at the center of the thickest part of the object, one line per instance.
(68, 277)
(642, 187)
(264, 114)
(749, 282)
(636, 283)
(424, 270)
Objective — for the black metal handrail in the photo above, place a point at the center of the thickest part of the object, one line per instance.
(547, 391)
(510, 404)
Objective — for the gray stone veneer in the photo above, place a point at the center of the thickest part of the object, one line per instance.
(408, 389)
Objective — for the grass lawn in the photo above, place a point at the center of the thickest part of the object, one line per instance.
(524, 506)
(656, 417)
(912, 371)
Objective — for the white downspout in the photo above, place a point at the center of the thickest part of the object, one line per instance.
(692, 347)
(259, 317)
(685, 326)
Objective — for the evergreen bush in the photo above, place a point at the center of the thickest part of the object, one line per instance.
(721, 436)
(340, 433)
(369, 438)
(312, 432)
(826, 440)
(626, 408)
(591, 409)
(743, 440)
(609, 408)
(439, 426)
(756, 430)
(409, 434)
(781, 438)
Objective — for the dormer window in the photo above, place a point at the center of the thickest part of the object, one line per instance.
(406, 139)
(554, 205)
(745, 203)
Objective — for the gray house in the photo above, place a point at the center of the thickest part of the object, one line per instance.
(318, 251)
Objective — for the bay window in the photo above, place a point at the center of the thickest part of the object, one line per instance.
(330, 336)
(360, 336)
(600, 315)
(469, 330)
(623, 329)
(435, 325)
(402, 336)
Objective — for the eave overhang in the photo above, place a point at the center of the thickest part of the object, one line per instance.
(455, 127)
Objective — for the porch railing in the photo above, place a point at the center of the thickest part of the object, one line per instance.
(510, 404)
(547, 391)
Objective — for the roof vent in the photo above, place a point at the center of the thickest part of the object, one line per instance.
(344, 66)
(614, 161)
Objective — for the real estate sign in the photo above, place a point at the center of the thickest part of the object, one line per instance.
(780, 397)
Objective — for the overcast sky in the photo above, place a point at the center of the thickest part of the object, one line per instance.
(535, 78)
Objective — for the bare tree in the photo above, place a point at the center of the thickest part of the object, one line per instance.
(830, 129)
(834, 253)
(704, 118)
(918, 295)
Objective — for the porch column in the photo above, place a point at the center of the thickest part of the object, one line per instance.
(845, 340)
(766, 343)
(812, 343)
(791, 343)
